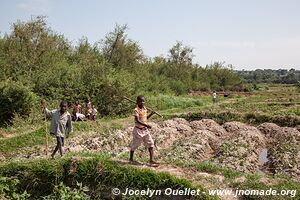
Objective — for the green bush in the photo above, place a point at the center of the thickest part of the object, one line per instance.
(15, 98)
(33, 54)
(108, 96)
(8, 189)
(66, 193)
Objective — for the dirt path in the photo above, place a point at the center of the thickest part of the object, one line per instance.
(206, 180)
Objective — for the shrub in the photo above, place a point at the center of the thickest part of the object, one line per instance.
(108, 96)
(8, 189)
(15, 98)
(66, 193)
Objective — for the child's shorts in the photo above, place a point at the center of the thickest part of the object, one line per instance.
(141, 136)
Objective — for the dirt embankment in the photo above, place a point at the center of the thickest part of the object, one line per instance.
(234, 144)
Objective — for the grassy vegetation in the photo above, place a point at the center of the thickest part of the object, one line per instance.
(167, 102)
(272, 103)
(254, 182)
(17, 143)
(209, 167)
(277, 104)
(251, 181)
(254, 109)
(94, 171)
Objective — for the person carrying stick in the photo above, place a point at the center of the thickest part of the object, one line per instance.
(61, 125)
(141, 133)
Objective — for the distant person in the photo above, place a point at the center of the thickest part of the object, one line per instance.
(89, 108)
(94, 113)
(141, 133)
(77, 112)
(214, 96)
(61, 125)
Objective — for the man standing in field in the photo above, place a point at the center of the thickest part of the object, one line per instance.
(61, 125)
(141, 133)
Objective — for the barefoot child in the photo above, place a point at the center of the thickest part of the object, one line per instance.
(141, 131)
(61, 125)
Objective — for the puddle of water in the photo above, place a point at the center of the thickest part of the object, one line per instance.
(263, 158)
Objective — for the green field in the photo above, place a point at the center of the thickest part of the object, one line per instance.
(93, 175)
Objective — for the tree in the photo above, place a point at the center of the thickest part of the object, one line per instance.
(119, 50)
(180, 54)
(31, 46)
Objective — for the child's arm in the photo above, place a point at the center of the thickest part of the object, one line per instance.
(45, 110)
(69, 127)
(143, 124)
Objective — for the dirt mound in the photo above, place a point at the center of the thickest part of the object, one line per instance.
(114, 141)
(245, 133)
(165, 137)
(284, 149)
(210, 125)
(284, 157)
(182, 125)
(274, 132)
(241, 150)
(195, 147)
(234, 144)
(270, 130)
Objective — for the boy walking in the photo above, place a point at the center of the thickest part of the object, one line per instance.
(141, 133)
(61, 125)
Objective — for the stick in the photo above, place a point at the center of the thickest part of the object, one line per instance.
(147, 107)
(46, 134)
(46, 131)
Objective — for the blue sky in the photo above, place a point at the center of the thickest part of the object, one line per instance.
(248, 34)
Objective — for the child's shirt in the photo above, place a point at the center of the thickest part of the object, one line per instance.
(61, 124)
(141, 114)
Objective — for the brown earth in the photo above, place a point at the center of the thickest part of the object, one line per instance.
(234, 144)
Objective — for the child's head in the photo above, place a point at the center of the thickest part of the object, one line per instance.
(76, 102)
(140, 100)
(63, 106)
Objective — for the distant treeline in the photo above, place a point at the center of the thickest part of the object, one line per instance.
(284, 76)
(36, 61)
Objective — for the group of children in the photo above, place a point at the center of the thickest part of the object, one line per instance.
(90, 111)
(61, 125)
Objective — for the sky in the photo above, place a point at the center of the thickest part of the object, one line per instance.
(248, 34)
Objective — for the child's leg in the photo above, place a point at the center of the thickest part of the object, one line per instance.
(148, 141)
(136, 142)
(131, 155)
(60, 143)
(151, 161)
(151, 154)
(57, 146)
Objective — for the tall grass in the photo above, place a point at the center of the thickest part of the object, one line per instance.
(14, 144)
(164, 102)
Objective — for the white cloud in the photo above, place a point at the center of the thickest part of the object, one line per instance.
(35, 6)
